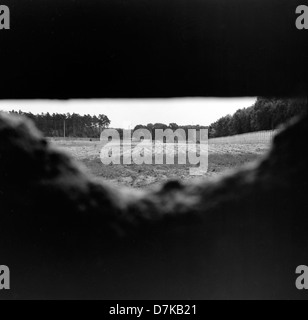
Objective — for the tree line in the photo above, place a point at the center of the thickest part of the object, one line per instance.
(68, 125)
(87, 126)
(265, 114)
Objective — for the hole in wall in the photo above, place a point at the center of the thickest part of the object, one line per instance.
(238, 131)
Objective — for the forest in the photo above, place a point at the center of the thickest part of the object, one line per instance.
(265, 114)
(68, 125)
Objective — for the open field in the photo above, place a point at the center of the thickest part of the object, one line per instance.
(222, 157)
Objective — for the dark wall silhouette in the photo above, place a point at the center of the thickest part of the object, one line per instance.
(145, 48)
(65, 235)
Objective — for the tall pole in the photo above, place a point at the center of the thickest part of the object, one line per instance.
(64, 128)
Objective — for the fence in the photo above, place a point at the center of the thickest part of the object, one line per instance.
(71, 139)
(248, 138)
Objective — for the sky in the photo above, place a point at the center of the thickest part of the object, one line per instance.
(129, 113)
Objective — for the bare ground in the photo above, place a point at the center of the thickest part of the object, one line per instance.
(222, 158)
